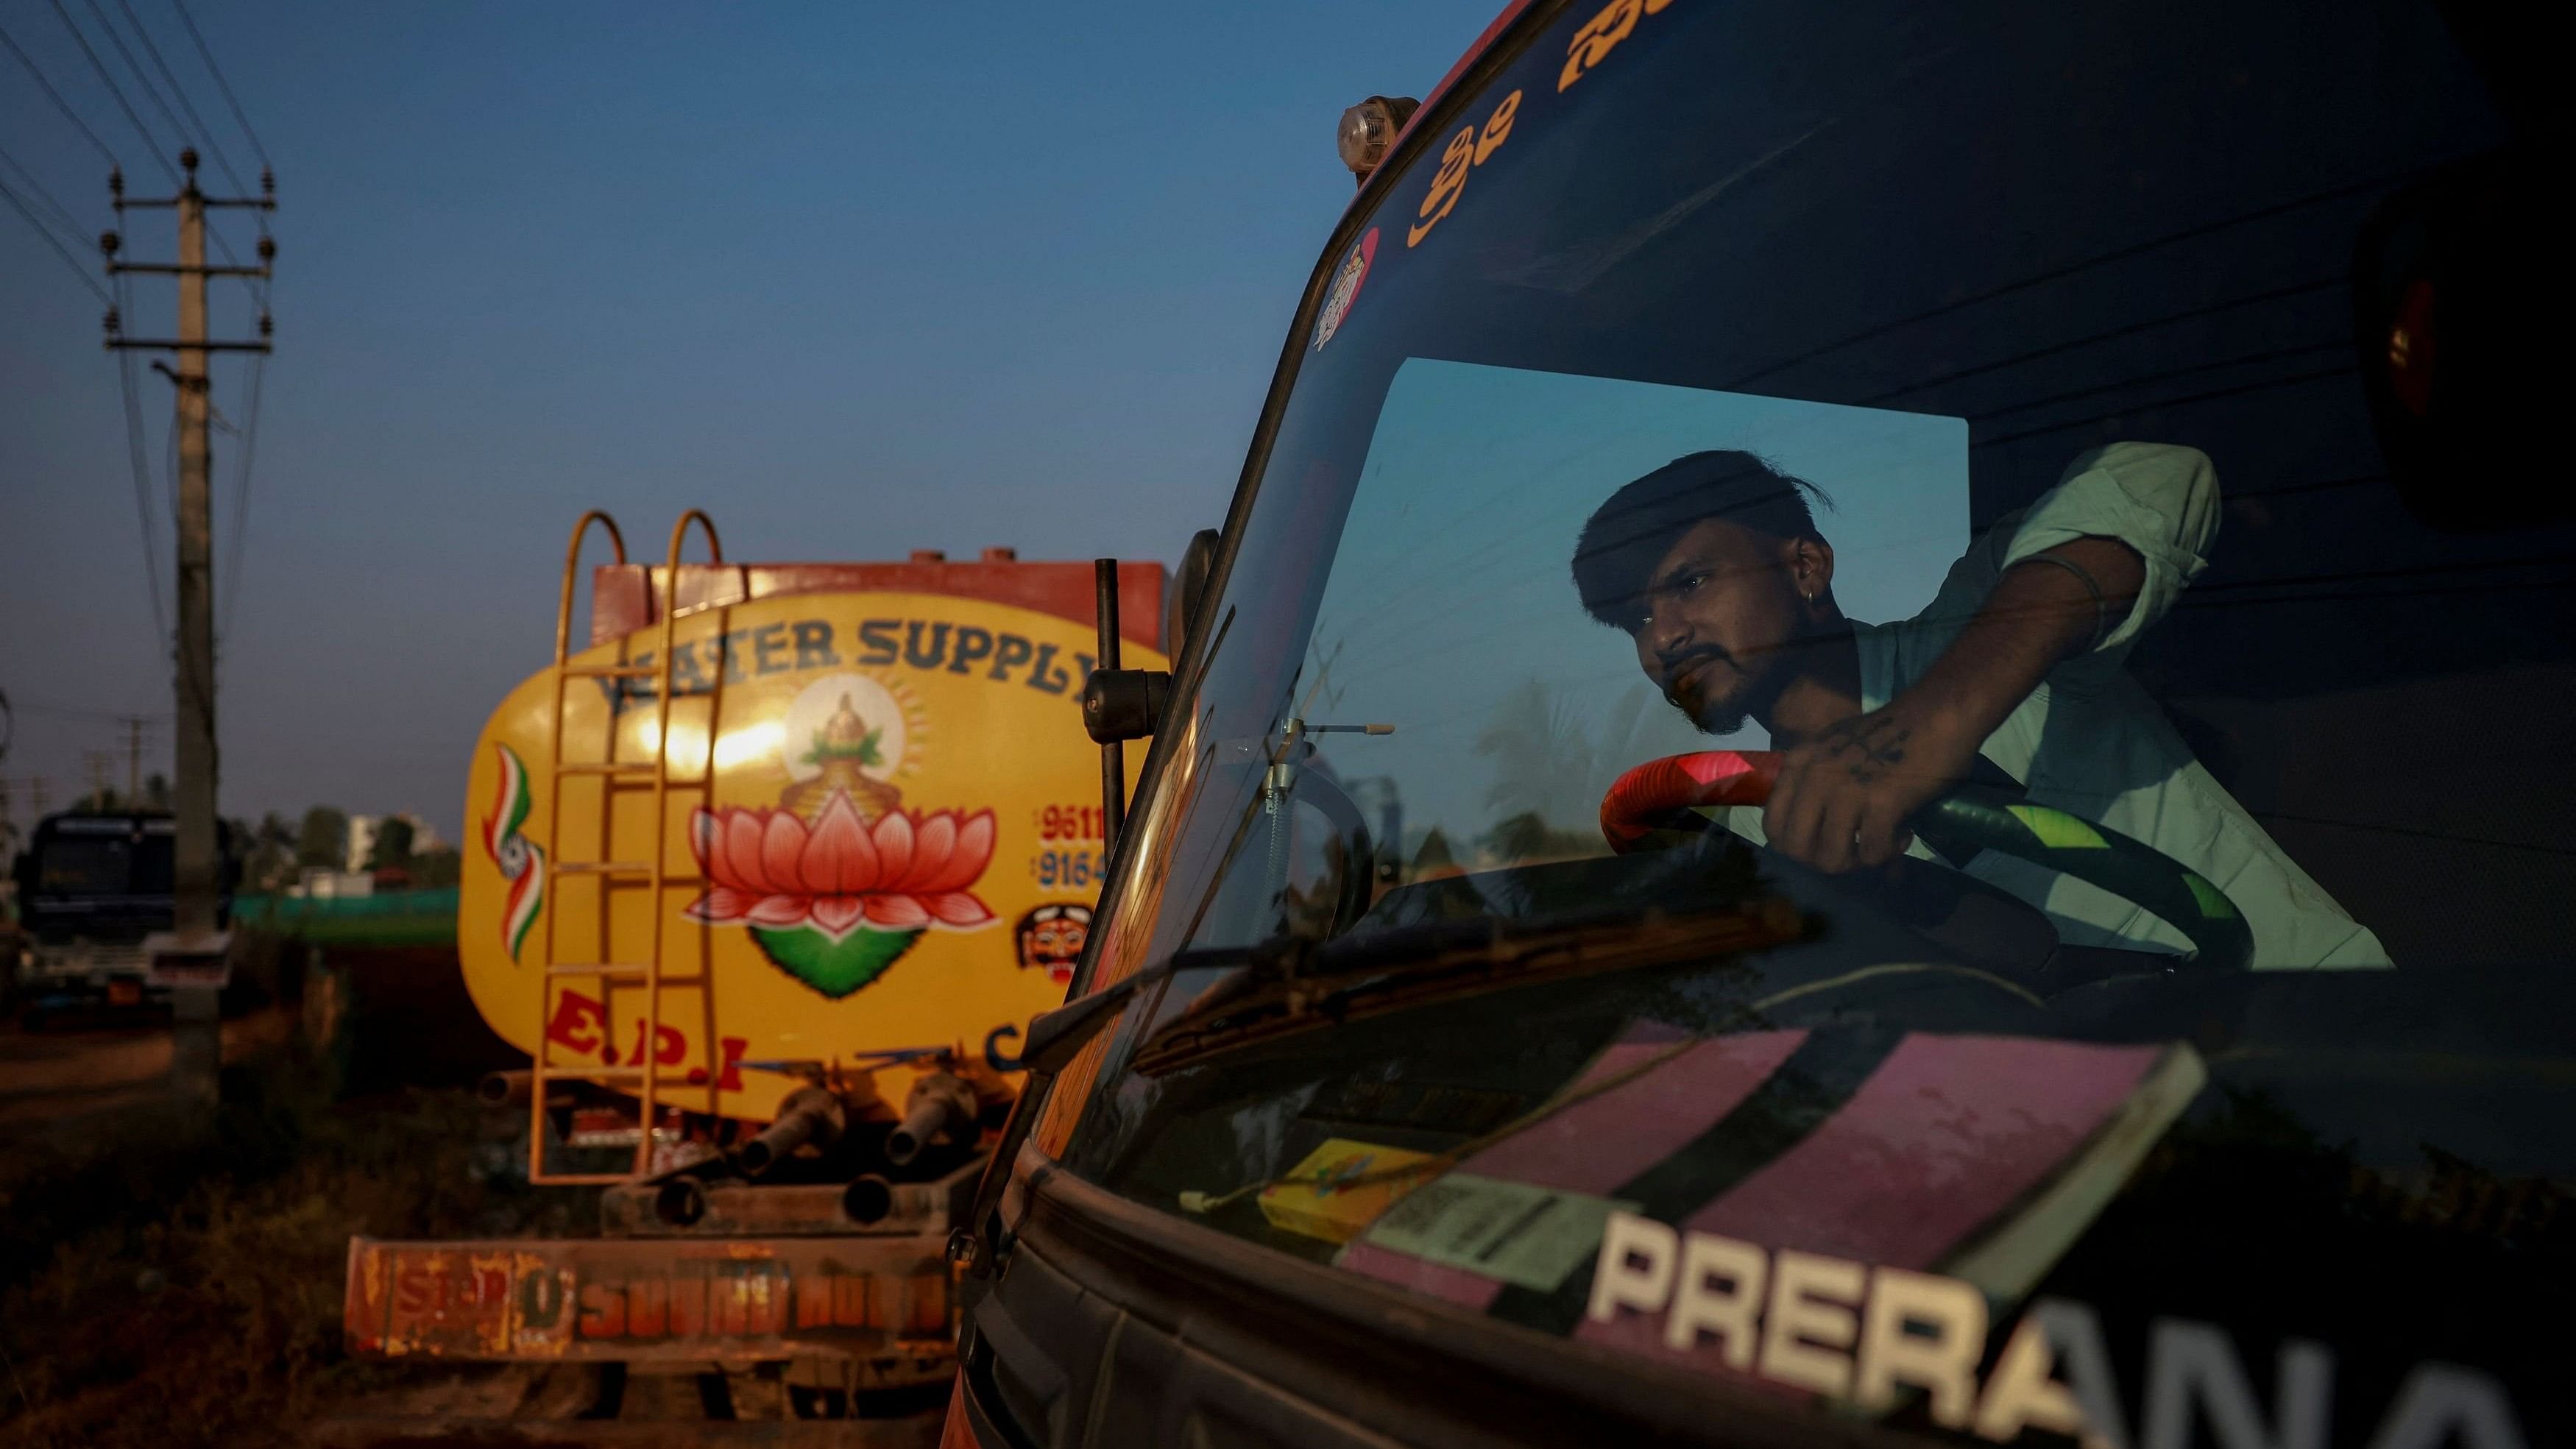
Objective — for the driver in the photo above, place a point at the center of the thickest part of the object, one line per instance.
(1714, 566)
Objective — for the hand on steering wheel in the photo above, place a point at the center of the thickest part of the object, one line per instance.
(1659, 794)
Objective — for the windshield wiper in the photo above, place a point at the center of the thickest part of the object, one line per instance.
(1288, 987)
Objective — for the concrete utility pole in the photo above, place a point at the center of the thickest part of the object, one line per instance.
(196, 1047)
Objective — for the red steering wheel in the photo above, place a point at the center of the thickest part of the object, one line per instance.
(1644, 799)
(1660, 793)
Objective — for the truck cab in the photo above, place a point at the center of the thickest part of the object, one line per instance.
(1958, 609)
(91, 886)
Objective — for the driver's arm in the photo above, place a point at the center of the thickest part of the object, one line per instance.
(2097, 559)
(2041, 613)
(2159, 500)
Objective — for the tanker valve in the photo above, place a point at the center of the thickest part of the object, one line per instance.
(680, 1203)
(506, 1089)
(810, 1114)
(941, 1108)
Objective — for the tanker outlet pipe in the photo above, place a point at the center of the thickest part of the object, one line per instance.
(680, 1203)
(506, 1089)
(941, 1108)
(810, 1114)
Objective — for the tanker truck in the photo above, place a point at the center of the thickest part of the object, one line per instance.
(762, 879)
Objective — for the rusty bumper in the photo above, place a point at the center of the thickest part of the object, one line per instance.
(711, 1300)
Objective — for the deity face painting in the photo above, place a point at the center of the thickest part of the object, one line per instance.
(1051, 937)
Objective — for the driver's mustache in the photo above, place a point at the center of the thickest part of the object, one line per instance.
(1674, 663)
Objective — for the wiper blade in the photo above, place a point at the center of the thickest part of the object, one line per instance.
(1290, 987)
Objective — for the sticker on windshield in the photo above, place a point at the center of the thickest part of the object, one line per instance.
(1346, 288)
(1509, 1231)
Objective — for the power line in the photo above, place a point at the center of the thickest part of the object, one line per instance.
(204, 135)
(216, 71)
(63, 105)
(257, 288)
(42, 230)
(142, 483)
(258, 285)
(143, 82)
(249, 430)
(170, 468)
(75, 711)
(149, 143)
(241, 498)
(69, 224)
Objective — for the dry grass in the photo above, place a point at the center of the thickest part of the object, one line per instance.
(159, 1288)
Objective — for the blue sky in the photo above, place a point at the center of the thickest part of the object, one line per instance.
(859, 278)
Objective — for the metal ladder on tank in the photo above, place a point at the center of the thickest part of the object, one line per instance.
(640, 1079)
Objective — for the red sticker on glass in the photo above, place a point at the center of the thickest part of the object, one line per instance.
(1346, 288)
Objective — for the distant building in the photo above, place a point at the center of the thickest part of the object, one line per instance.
(365, 830)
(362, 840)
(318, 883)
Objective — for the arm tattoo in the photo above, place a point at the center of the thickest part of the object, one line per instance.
(1867, 746)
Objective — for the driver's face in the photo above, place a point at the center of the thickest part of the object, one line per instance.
(1719, 610)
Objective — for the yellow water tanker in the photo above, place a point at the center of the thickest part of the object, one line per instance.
(864, 826)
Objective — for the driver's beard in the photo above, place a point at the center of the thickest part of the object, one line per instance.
(1715, 717)
(1720, 720)
(1725, 716)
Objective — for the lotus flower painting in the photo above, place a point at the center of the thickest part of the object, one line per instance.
(841, 879)
(835, 903)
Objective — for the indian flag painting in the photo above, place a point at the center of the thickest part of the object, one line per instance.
(522, 861)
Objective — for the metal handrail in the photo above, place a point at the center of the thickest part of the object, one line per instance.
(651, 1097)
(539, 1070)
(572, 571)
(649, 1080)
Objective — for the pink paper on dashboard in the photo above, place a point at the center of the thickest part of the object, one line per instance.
(1437, 1280)
(1597, 1144)
(1942, 1138)
(1937, 1144)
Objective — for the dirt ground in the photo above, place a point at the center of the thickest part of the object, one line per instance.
(171, 1283)
(53, 1079)
(167, 1281)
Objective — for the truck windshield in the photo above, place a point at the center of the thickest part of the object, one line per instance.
(104, 865)
(1957, 500)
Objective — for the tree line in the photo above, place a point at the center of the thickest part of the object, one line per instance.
(275, 851)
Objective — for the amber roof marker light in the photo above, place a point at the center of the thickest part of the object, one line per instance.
(1370, 128)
